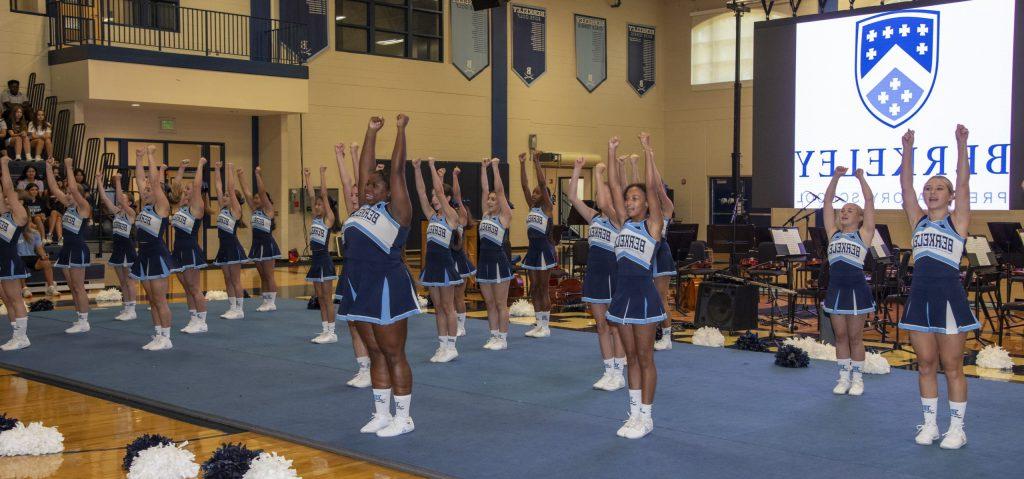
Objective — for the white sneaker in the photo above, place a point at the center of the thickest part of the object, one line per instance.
(663, 344)
(397, 427)
(927, 433)
(127, 315)
(437, 354)
(842, 386)
(326, 338)
(641, 427)
(195, 325)
(227, 313)
(543, 333)
(318, 337)
(16, 343)
(448, 355)
(376, 423)
(500, 345)
(79, 327)
(52, 290)
(267, 307)
(954, 438)
(234, 314)
(603, 382)
(857, 387)
(533, 331)
(461, 331)
(163, 344)
(627, 425)
(361, 379)
(26, 292)
(152, 342)
(615, 383)
(490, 342)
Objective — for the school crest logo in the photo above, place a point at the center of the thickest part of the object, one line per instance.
(897, 61)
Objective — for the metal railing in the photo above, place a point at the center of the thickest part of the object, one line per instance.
(167, 27)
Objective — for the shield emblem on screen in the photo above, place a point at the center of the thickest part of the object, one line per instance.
(897, 61)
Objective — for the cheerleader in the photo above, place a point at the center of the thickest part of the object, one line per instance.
(664, 263)
(600, 275)
(439, 273)
(321, 267)
(380, 294)
(636, 308)
(154, 263)
(13, 218)
(540, 256)
(495, 268)
(264, 251)
(351, 191)
(74, 254)
(188, 255)
(849, 299)
(230, 255)
(462, 262)
(123, 253)
(937, 312)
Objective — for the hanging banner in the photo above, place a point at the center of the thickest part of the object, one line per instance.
(641, 60)
(591, 51)
(312, 14)
(529, 39)
(471, 38)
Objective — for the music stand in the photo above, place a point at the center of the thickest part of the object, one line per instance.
(886, 237)
(724, 237)
(680, 236)
(576, 219)
(979, 253)
(1007, 242)
(819, 240)
(879, 248)
(787, 242)
(762, 234)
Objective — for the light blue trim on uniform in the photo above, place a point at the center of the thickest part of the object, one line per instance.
(854, 312)
(441, 284)
(323, 279)
(596, 301)
(666, 273)
(643, 264)
(931, 329)
(371, 236)
(929, 254)
(72, 265)
(650, 320)
(240, 261)
(537, 268)
(19, 276)
(166, 273)
(469, 274)
(126, 264)
(266, 258)
(495, 281)
(385, 311)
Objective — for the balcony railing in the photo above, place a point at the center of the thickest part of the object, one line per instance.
(167, 27)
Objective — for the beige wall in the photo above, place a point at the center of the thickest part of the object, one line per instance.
(23, 49)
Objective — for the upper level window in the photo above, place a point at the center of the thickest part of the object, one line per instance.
(713, 45)
(395, 28)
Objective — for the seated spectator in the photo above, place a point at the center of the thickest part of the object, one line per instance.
(30, 176)
(83, 186)
(56, 214)
(30, 248)
(17, 132)
(40, 134)
(37, 207)
(3, 135)
(12, 97)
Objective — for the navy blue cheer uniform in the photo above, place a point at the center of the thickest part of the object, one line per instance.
(230, 250)
(154, 261)
(11, 265)
(664, 263)
(263, 245)
(378, 288)
(937, 302)
(74, 253)
(599, 279)
(848, 291)
(321, 267)
(123, 253)
(493, 265)
(541, 253)
(635, 299)
(439, 265)
(339, 289)
(462, 262)
(187, 253)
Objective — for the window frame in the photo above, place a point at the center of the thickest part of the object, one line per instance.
(15, 9)
(758, 14)
(408, 36)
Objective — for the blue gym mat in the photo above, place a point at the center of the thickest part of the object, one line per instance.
(528, 411)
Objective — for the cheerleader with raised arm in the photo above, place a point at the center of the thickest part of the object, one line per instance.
(462, 262)
(849, 299)
(189, 256)
(264, 251)
(540, 255)
(664, 263)
(494, 271)
(439, 274)
(13, 219)
(350, 190)
(74, 254)
(123, 251)
(321, 267)
(230, 255)
(937, 312)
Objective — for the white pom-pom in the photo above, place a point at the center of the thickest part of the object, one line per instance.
(166, 461)
(3, 310)
(270, 466)
(422, 301)
(216, 295)
(814, 349)
(521, 309)
(30, 467)
(708, 336)
(875, 363)
(109, 295)
(994, 357)
(32, 440)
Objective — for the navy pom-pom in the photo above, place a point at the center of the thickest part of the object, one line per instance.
(750, 342)
(41, 305)
(140, 444)
(7, 423)
(790, 356)
(229, 461)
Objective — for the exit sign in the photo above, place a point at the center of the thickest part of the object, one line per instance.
(167, 124)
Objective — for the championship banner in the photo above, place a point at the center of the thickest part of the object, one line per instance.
(641, 60)
(471, 38)
(312, 13)
(529, 39)
(591, 50)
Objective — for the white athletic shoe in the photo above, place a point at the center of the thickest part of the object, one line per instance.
(267, 307)
(615, 383)
(16, 343)
(26, 292)
(603, 382)
(533, 331)
(543, 333)
(152, 342)
(927, 434)
(195, 325)
(628, 424)
(234, 314)
(326, 338)
(641, 427)
(318, 337)
(376, 423)
(490, 342)
(437, 354)
(79, 327)
(163, 344)
(225, 314)
(52, 290)
(954, 438)
(127, 315)
(461, 331)
(842, 386)
(361, 379)
(397, 427)
(663, 344)
(448, 355)
(500, 345)
(857, 387)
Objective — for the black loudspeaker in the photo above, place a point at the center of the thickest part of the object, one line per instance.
(485, 4)
(726, 306)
